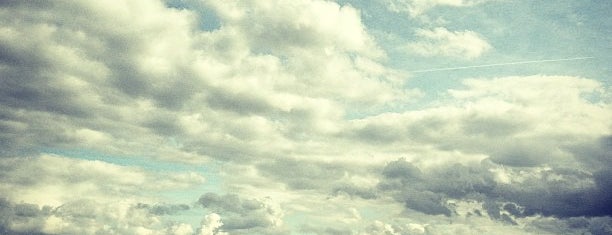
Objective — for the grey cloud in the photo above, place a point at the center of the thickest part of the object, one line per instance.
(242, 215)
(68, 66)
(459, 181)
(164, 123)
(325, 230)
(242, 103)
(354, 190)
(83, 217)
(163, 209)
(410, 186)
(524, 153)
(492, 126)
(561, 198)
(403, 170)
(576, 225)
(565, 197)
(379, 134)
(425, 201)
(21, 218)
(77, 217)
(302, 174)
(596, 154)
(229, 203)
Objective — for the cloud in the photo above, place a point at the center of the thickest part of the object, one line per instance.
(511, 120)
(293, 108)
(242, 216)
(418, 7)
(442, 42)
(558, 192)
(211, 224)
(59, 195)
(299, 174)
(83, 217)
(53, 180)
(86, 84)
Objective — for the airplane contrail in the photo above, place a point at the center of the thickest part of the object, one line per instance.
(498, 64)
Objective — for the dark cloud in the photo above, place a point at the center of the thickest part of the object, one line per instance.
(242, 215)
(543, 194)
(561, 198)
(354, 190)
(576, 225)
(229, 203)
(409, 186)
(21, 218)
(425, 201)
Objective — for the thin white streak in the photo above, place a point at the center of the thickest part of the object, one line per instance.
(498, 64)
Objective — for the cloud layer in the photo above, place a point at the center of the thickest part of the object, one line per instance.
(284, 117)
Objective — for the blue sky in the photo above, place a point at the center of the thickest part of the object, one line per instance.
(216, 117)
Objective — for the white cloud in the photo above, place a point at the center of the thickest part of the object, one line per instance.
(442, 42)
(73, 196)
(240, 216)
(266, 96)
(501, 117)
(217, 94)
(54, 180)
(418, 7)
(181, 229)
(211, 224)
(298, 25)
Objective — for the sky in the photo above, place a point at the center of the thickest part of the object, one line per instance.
(377, 117)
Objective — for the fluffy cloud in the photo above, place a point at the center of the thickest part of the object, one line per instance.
(83, 217)
(502, 117)
(273, 104)
(94, 84)
(241, 216)
(53, 180)
(442, 42)
(211, 225)
(70, 196)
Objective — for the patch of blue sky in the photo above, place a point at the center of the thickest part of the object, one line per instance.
(142, 162)
(209, 171)
(207, 21)
(517, 31)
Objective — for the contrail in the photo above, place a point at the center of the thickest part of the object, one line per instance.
(499, 64)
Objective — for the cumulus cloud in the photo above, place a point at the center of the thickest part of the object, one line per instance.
(442, 42)
(291, 107)
(92, 84)
(83, 217)
(241, 216)
(53, 180)
(525, 163)
(511, 120)
(559, 192)
(211, 225)
(60, 195)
